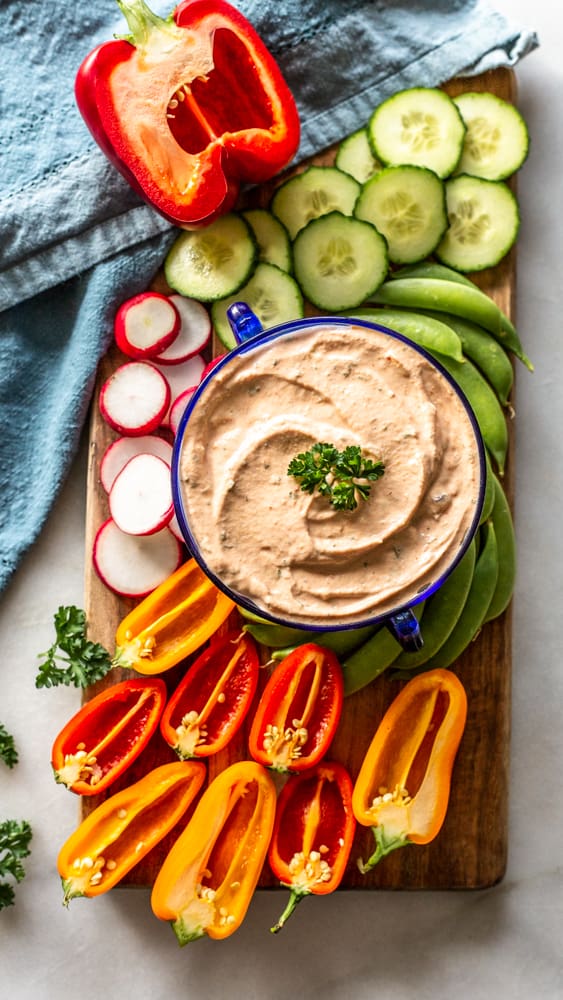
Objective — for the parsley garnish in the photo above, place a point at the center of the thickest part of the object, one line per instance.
(343, 476)
(8, 751)
(83, 662)
(15, 837)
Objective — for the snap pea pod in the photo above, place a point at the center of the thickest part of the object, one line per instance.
(441, 613)
(342, 643)
(485, 405)
(471, 619)
(489, 498)
(373, 657)
(426, 331)
(486, 353)
(270, 634)
(454, 297)
(501, 518)
(431, 269)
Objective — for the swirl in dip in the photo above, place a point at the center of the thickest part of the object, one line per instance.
(291, 553)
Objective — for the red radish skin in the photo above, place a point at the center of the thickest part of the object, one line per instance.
(178, 407)
(132, 565)
(140, 500)
(179, 378)
(210, 366)
(118, 453)
(146, 325)
(194, 333)
(135, 399)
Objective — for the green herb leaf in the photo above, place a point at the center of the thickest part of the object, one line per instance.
(8, 751)
(83, 662)
(343, 476)
(15, 837)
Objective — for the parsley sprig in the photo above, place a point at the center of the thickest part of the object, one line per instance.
(8, 752)
(83, 662)
(15, 837)
(345, 477)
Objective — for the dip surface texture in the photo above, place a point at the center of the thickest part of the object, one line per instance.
(292, 553)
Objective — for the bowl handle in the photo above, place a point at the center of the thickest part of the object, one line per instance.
(406, 630)
(244, 323)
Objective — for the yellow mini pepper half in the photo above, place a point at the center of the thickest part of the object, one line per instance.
(207, 880)
(403, 786)
(172, 622)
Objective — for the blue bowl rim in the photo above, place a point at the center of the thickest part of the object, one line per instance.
(264, 337)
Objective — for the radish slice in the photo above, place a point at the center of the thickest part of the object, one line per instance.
(140, 500)
(135, 398)
(178, 407)
(194, 333)
(181, 377)
(146, 325)
(210, 366)
(174, 527)
(118, 453)
(132, 566)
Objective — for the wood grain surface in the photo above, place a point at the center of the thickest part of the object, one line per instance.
(471, 850)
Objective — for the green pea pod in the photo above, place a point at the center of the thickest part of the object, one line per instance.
(276, 636)
(441, 614)
(489, 498)
(342, 643)
(485, 352)
(431, 269)
(501, 518)
(426, 331)
(485, 405)
(470, 621)
(454, 297)
(373, 657)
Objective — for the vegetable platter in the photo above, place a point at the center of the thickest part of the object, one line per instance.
(471, 849)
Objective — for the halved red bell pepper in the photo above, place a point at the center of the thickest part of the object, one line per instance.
(299, 710)
(189, 107)
(107, 735)
(211, 701)
(313, 833)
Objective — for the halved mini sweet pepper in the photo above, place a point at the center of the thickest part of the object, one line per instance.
(172, 622)
(189, 107)
(107, 734)
(298, 711)
(125, 827)
(313, 833)
(403, 786)
(211, 701)
(207, 880)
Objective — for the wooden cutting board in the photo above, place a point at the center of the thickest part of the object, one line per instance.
(471, 849)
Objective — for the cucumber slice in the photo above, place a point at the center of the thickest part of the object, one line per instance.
(408, 206)
(213, 262)
(274, 245)
(421, 126)
(483, 223)
(314, 192)
(496, 141)
(271, 293)
(339, 261)
(355, 157)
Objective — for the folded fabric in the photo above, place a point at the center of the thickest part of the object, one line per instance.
(75, 239)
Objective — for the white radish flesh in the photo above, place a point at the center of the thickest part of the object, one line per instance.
(176, 530)
(194, 333)
(132, 565)
(178, 407)
(140, 500)
(180, 378)
(135, 398)
(118, 453)
(146, 325)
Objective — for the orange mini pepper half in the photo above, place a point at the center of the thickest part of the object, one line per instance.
(125, 827)
(172, 622)
(299, 710)
(313, 833)
(208, 878)
(210, 703)
(107, 735)
(403, 786)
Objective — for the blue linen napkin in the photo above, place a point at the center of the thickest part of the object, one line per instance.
(74, 238)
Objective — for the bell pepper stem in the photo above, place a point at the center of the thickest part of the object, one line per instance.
(295, 897)
(141, 20)
(384, 845)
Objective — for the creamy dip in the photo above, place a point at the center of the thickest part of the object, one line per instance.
(292, 553)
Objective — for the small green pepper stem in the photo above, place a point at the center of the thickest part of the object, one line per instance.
(295, 897)
(383, 845)
(141, 20)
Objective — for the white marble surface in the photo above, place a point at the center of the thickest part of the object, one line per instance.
(502, 942)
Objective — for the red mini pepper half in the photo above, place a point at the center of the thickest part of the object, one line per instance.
(313, 833)
(210, 703)
(107, 735)
(189, 107)
(299, 710)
